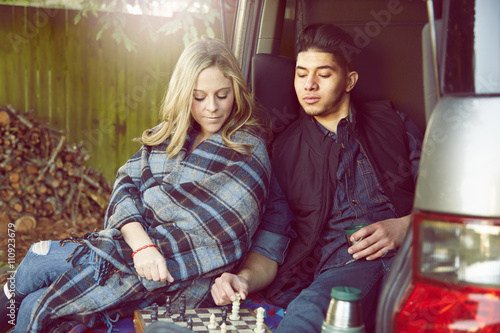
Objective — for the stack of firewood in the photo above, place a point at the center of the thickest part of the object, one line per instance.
(43, 176)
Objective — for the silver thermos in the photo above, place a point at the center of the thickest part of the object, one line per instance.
(344, 313)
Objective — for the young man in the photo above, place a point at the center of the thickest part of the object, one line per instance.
(335, 167)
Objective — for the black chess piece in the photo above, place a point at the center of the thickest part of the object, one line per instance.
(183, 300)
(190, 323)
(182, 312)
(168, 305)
(154, 312)
(224, 315)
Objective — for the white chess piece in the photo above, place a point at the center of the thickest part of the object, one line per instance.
(212, 324)
(260, 321)
(223, 328)
(236, 308)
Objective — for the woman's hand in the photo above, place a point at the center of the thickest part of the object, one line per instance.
(150, 264)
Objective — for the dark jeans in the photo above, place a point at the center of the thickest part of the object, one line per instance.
(307, 311)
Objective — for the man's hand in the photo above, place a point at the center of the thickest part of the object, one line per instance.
(150, 264)
(379, 237)
(225, 287)
(257, 272)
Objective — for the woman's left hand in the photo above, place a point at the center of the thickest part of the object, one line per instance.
(150, 264)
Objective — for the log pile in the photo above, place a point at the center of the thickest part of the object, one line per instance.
(44, 177)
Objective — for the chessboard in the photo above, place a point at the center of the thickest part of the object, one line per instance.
(200, 319)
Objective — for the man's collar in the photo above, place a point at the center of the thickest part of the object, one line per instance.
(351, 119)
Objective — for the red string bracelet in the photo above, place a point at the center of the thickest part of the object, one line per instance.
(142, 248)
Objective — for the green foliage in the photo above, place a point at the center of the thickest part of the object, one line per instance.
(3, 260)
(109, 14)
(183, 20)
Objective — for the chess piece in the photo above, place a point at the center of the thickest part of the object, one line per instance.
(182, 309)
(236, 308)
(154, 312)
(344, 312)
(224, 314)
(190, 323)
(223, 328)
(168, 305)
(260, 321)
(212, 324)
(182, 313)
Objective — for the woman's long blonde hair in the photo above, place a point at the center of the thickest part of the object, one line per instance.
(176, 109)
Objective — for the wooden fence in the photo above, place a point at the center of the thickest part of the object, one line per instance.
(102, 95)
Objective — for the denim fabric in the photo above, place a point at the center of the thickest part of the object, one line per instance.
(35, 273)
(359, 198)
(307, 311)
(274, 233)
(276, 245)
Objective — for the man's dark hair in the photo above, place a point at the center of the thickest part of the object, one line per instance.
(328, 38)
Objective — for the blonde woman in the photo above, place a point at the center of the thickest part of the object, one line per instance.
(182, 211)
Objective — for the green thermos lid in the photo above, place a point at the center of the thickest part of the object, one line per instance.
(346, 293)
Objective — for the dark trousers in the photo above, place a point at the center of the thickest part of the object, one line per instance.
(307, 311)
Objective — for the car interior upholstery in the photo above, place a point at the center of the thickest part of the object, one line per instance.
(387, 36)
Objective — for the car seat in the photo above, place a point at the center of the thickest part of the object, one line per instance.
(272, 84)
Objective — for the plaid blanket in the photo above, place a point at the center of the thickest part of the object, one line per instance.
(201, 209)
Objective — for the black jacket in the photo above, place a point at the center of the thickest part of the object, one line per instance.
(305, 163)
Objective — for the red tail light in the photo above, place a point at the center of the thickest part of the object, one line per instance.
(456, 276)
